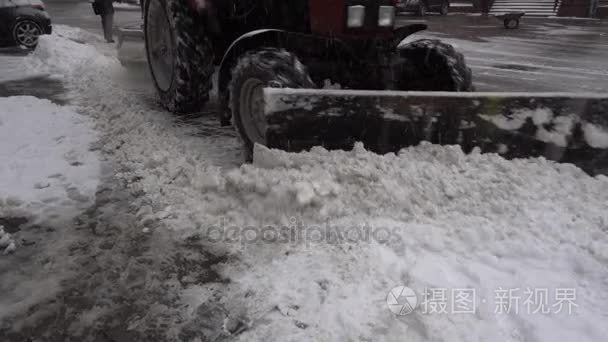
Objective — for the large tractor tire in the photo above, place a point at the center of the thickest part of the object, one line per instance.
(179, 55)
(254, 71)
(433, 66)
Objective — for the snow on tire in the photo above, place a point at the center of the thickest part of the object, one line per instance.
(433, 66)
(268, 67)
(181, 63)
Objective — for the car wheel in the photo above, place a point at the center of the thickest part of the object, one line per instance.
(26, 33)
(511, 23)
(256, 70)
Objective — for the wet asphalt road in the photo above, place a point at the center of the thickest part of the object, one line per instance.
(542, 55)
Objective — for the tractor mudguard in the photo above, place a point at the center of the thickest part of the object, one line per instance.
(303, 45)
(402, 32)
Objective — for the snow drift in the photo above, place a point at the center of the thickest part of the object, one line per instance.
(456, 221)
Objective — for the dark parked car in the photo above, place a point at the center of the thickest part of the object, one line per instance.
(22, 21)
(422, 7)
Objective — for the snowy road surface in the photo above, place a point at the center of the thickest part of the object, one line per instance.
(184, 243)
(79, 13)
(542, 55)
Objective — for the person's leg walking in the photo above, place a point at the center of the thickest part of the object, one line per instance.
(107, 23)
(103, 26)
(111, 26)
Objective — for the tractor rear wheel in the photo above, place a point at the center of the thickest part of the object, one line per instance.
(179, 55)
(433, 66)
(256, 70)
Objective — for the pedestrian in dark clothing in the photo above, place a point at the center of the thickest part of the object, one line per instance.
(105, 9)
(593, 8)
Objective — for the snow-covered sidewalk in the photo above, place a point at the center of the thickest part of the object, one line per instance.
(48, 172)
(308, 246)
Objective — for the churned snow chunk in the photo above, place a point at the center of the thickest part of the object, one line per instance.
(6, 243)
(541, 116)
(516, 121)
(595, 136)
(10, 248)
(559, 133)
(5, 240)
(305, 193)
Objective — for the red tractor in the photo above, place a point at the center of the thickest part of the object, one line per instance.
(261, 44)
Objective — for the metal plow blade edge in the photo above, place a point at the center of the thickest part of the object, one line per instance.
(571, 128)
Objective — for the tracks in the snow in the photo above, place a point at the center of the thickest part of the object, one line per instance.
(126, 276)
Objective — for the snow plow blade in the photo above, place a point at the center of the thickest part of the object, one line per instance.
(570, 128)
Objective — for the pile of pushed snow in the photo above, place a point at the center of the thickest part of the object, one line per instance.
(437, 219)
(47, 170)
(7, 245)
(77, 35)
(12, 68)
(68, 51)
